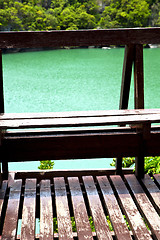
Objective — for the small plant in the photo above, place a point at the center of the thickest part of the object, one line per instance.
(47, 164)
(151, 164)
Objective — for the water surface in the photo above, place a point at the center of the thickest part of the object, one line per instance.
(73, 80)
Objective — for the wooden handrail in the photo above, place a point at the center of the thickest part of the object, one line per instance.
(79, 38)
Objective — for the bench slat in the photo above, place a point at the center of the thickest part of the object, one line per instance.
(79, 121)
(99, 218)
(148, 210)
(98, 113)
(130, 210)
(117, 219)
(2, 195)
(157, 177)
(29, 210)
(11, 218)
(63, 214)
(46, 211)
(153, 190)
(81, 217)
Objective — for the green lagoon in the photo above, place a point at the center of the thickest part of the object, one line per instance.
(73, 80)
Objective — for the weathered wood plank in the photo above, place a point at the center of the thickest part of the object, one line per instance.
(153, 190)
(116, 217)
(79, 38)
(29, 210)
(63, 214)
(98, 113)
(151, 216)
(11, 217)
(80, 213)
(157, 177)
(2, 195)
(46, 211)
(99, 218)
(130, 210)
(79, 121)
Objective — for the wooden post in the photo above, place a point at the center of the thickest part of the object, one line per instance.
(4, 164)
(139, 104)
(1, 85)
(126, 76)
(125, 88)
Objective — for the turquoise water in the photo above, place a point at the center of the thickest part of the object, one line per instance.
(72, 80)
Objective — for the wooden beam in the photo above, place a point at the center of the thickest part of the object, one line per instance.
(125, 88)
(139, 104)
(79, 38)
(138, 78)
(126, 76)
(1, 85)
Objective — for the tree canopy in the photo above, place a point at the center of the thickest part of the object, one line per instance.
(37, 15)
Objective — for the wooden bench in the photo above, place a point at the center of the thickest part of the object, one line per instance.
(72, 135)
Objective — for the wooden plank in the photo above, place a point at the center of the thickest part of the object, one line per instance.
(79, 121)
(151, 216)
(130, 210)
(157, 177)
(63, 214)
(11, 217)
(99, 218)
(2, 195)
(79, 38)
(98, 113)
(80, 213)
(46, 211)
(103, 144)
(48, 174)
(153, 190)
(75, 122)
(115, 214)
(29, 210)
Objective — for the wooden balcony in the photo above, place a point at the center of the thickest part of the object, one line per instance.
(47, 204)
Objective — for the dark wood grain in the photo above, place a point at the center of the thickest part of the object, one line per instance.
(46, 211)
(99, 218)
(145, 205)
(116, 217)
(1, 85)
(29, 210)
(80, 213)
(153, 190)
(63, 213)
(130, 210)
(11, 217)
(79, 38)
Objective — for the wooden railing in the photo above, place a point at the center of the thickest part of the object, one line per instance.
(139, 141)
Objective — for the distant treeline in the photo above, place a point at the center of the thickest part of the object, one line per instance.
(37, 15)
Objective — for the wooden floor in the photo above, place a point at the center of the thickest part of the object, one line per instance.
(81, 208)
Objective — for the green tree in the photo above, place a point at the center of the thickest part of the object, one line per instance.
(124, 13)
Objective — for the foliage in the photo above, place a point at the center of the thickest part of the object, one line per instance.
(47, 164)
(37, 15)
(151, 164)
(124, 13)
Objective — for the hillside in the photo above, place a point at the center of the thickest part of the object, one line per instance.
(33, 15)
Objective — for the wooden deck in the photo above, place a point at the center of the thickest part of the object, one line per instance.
(84, 207)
